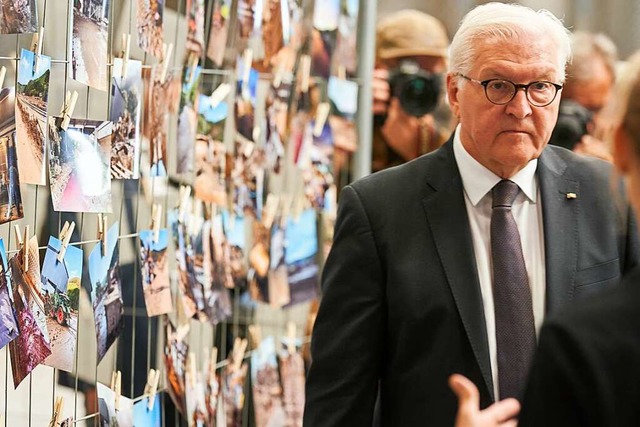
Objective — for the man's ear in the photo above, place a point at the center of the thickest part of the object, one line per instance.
(622, 150)
(452, 94)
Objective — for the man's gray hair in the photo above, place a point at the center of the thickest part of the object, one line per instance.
(586, 48)
(501, 21)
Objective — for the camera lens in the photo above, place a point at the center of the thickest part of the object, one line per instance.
(419, 96)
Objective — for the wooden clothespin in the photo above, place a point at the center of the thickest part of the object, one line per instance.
(116, 387)
(57, 410)
(219, 94)
(36, 48)
(185, 192)
(342, 72)
(152, 383)
(166, 57)
(192, 368)
(23, 244)
(239, 347)
(291, 337)
(322, 114)
(256, 335)
(102, 232)
(156, 219)
(213, 359)
(270, 210)
(65, 236)
(3, 73)
(277, 78)
(126, 46)
(305, 69)
(67, 108)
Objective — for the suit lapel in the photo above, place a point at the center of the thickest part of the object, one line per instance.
(447, 218)
(560, 219)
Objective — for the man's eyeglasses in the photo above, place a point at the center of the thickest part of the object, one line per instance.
(500, 92)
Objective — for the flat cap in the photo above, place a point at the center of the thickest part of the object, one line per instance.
(410, 33)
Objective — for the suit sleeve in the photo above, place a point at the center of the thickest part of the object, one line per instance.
(346, 346)
(563, 389)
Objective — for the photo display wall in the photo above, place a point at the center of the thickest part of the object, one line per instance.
(228, 127)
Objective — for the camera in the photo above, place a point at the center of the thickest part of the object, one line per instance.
(417, 90)
(573, 123)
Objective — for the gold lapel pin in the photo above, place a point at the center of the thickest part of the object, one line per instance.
(572, 196)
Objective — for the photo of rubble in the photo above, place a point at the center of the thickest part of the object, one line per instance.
(89, 42)
(18, 16)
(106, 292)
(175, 359)
(126, 100)
(79, 165)
(156, 118)
(265, 380)
(219, 31)
(155, 272)
(150, 27)
(293, 377)
(32, 94)
(187, 119)
(10, 196)
(195, 13)
(300, 257)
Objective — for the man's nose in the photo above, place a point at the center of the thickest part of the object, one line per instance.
(519, 106)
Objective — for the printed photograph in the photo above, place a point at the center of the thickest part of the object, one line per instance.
(272, 34)
(106, 292)
(61, 296)
(195, 12)
(175, 359)
(32, 95)
(300, 257)
(259, 263)
(142, 416)
(156, 120)
(292, 376)
(346, 54)
(247, 179)
(233, 380)
(18, 16)
(109, 415)
(185, 264)
(155, 272)
(245, 103)
(187, 119)
(126, 102)
(32, 346)
(279, 293)
(197, 414)
(89, 42)
(265, 380)
(343, 96)
(79, 165)
(212, 394)
(150, 28)
(210, 184)
(219, 31)
(10, 196)
(8, 320)
(235, 246)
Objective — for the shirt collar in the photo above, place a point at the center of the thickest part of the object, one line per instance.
(477, 180)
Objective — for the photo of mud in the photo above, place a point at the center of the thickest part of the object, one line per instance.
(150, 27)
(89, 42)
(18, 16)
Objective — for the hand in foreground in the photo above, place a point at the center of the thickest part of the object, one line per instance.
(500, 414)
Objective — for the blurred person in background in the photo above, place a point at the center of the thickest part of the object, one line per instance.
(586, 370)
(408, 88)
(590, 79)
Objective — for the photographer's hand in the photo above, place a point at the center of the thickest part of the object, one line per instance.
(381, 91)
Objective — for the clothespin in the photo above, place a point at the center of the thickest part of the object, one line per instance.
(192, 368)
(213, 359)
(116, 387)
(57, 410)
(126, 46)
(239, 347)
(277, 78)
(67, 108)
(65, 236)
(342, 72)
(270, 210)
(36, 47)
(151, 388)
(322, 114)
(305, 69)
(185, 192)
(3, 73)
(247, 60)
(166, 56)
(219, 94)
(23, 243)
(102, 232)
(291, 337)
(256, 335)
(156, 219)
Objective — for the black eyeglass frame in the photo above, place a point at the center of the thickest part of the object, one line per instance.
(485, 83)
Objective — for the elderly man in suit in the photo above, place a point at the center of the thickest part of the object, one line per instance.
(448, 264)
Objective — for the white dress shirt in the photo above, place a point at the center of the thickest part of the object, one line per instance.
(478, 181)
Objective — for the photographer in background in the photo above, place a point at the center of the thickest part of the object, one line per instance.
(411, 52)
(590, 79)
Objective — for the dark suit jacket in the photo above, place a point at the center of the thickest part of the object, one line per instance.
(402, 303)
(587, 369)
